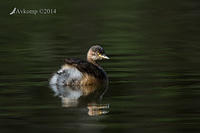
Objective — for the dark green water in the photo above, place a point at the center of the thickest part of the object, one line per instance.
(154, 70)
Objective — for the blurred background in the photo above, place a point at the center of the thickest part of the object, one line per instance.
(154, 70)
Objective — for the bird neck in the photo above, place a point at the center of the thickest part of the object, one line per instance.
(92, 61)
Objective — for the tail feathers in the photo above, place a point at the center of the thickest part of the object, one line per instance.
(63, 77)
(59, 78)
(68, 76)
(53, 79)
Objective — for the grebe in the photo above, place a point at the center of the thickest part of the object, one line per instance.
(79, 72)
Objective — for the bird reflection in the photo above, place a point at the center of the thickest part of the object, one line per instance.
(83, 96)
(97, 109)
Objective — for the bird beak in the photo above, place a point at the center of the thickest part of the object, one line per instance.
(104, 57)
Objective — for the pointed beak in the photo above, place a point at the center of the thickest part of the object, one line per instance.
(104, 57)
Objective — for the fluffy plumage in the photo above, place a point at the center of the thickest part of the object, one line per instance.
(80, 72)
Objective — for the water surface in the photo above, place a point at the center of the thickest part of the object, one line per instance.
(153, 71)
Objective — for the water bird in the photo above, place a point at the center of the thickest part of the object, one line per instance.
(77, 72)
